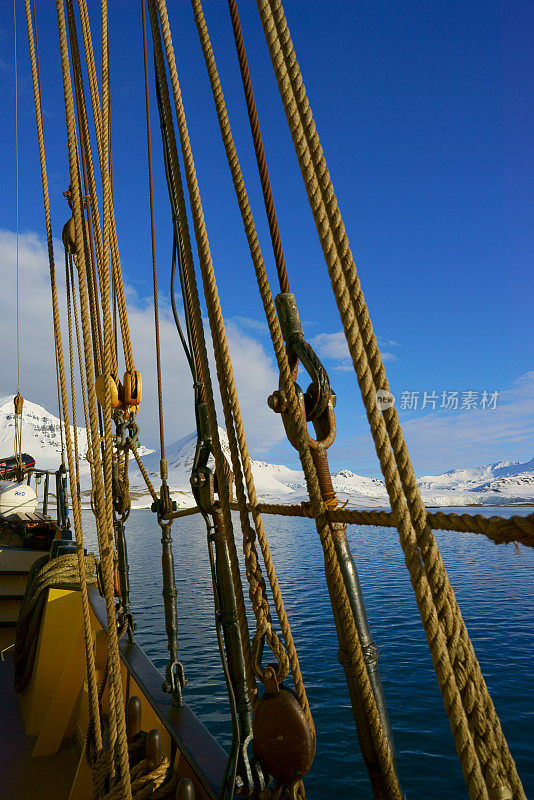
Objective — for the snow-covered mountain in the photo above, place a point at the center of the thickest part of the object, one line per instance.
(500, 483)
(273, 482)
(497, 483)
(41, 435)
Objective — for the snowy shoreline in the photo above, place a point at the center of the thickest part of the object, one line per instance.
(497, 485)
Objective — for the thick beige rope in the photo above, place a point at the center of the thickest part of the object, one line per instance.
(224, 374)
(491, 749)
(144, 473)
(499, 529)
(103, 498)
(87, 151)
(78, 532)
(516, 529)
(348, 629)
(102, 139)
(240, 454)
(44, 574)
(145, 780)
(200, 343)
(81, 369)
(72, 380)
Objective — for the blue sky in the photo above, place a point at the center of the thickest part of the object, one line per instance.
(425, 115)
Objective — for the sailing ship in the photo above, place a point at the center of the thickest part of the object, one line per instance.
(88, 713)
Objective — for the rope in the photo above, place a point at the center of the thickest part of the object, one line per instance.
(145, 780)
(117, 714)
(256, 589)
(59, 412)
(348, 635)
(478, 747)
(258, 149)
(237, 440)
(103, 494)
(499, 529)
(102, 139)
(88, 637)
(16, 179)
(422, 590)
(143, 472)
(153, 238)
(89, 185)
(199, 345)
(61, 572)
(80, 367)
(516, 529)
(72, 382)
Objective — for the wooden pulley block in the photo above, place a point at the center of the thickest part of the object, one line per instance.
(283, 740)
(133, 717)
(153, 749)
(18, 402)
(115, 391)
(185, 790)
(132, 390)
(69, 235)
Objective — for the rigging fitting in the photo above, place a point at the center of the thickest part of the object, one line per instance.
(121, 512)
(241, 773)
(317, 407)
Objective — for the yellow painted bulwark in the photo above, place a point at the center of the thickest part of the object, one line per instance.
(60, 626)
(55, 704)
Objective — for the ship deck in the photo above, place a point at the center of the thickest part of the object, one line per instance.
(25, 777)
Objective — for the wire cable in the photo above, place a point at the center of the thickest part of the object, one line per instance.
(153, 236)
(17, 182)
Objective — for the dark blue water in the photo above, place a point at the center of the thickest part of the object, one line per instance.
(494, 586)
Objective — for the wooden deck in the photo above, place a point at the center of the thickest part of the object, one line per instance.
(24, 777)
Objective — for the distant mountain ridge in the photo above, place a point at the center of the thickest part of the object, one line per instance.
(499, 483)
(503, 482)
(41, 435)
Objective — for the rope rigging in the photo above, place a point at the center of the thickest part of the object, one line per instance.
(226, 583)
(433, 602)
(16, 182)
(18, 401)
(96, 309)
(92, 688)
(286, 371)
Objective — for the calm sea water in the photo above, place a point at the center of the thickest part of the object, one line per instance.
(494, 586)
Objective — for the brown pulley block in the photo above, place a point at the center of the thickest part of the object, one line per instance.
(283, 740)
(185, 790)
(18, 402)
(69, 235)
(133, 717)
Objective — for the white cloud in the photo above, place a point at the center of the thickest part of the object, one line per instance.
(253, 366)
(439, 441)
(333, 347)
(255, 325)
(36, 338)
(473, 437)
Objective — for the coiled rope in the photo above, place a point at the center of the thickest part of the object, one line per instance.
(61, 572)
